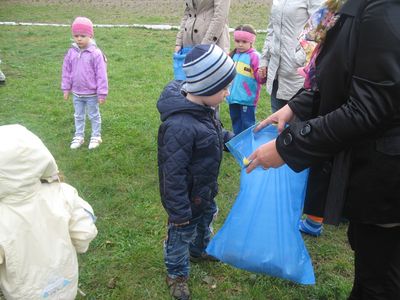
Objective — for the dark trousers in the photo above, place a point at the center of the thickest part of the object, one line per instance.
(276, 103)
(377, 262)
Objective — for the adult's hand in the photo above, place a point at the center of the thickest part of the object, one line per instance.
(262, 72)
(177, 48)
(280, 118)
(266, 156)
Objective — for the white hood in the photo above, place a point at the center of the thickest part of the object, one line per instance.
(24, 161)
(42, 225)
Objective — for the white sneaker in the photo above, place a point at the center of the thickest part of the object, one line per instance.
(95, 141)
(77, 141)
(2, 77)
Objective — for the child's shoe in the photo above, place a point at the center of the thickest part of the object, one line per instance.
(178, 287)
(2, 78)
(310, 227)
(77, 141)
(95, 141)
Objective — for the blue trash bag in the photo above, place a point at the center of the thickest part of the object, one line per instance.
(178, 59)
(261, 233)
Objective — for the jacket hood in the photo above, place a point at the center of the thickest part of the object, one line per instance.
(172, 101)
(24, 161)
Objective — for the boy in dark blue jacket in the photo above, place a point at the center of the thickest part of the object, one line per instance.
(190, 145)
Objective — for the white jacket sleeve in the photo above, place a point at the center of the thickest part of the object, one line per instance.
(2, 255)
(266, 51)
(81, 227)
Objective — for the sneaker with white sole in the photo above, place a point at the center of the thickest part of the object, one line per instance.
(77, 141)
(95, 141)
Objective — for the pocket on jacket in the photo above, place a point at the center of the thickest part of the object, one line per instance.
(299, 56)
(389, 145)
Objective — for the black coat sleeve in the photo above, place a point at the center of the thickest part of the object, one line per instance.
(374, 99)
(175, 155)
(302, 104)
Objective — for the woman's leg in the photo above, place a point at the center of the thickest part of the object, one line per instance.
(276, 104)
(377, 261)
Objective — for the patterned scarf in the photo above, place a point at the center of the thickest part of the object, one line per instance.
(313, 36)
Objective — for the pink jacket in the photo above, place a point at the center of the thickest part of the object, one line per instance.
(84, 72)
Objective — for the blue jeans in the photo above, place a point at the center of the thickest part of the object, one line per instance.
(242, 117)
(191, 239)
(92, 106)
(276, 104)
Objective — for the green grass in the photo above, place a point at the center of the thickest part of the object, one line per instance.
(120, 178)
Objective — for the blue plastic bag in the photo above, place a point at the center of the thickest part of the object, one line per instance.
(261, 233)
(178, 59)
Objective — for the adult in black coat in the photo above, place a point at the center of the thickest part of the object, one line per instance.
(353, 121)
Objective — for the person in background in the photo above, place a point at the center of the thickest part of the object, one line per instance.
(190, 145)
(2, 76)
(282, 53)
(84, 74)
(204, 22)
(245, 89)
(43, 225)
(353, 120)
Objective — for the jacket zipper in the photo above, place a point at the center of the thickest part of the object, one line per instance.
(219, 133)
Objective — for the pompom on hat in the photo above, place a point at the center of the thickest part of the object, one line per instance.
(208, 70)
(82, 25)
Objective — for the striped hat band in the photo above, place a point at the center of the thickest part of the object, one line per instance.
(208, 70)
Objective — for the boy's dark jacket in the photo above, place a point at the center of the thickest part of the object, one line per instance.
(190, 145)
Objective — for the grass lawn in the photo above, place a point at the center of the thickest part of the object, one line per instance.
(120, 178)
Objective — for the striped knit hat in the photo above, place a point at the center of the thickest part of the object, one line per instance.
(208, 70)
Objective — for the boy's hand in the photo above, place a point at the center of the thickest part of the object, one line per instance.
(66, 95)
(102, 100)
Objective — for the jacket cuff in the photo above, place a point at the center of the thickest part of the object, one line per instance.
(288, 148)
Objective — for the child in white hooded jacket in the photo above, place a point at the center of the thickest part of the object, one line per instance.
(43, 222)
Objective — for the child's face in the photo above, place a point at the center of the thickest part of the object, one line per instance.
(217, 98)
(242, 46)
(81, 40)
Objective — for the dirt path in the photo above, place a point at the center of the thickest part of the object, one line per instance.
(254, 12)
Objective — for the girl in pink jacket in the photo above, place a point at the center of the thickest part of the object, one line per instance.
(84, 74)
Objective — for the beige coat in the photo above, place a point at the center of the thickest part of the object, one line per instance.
(282, 53)
(205, 22)
(42, 225)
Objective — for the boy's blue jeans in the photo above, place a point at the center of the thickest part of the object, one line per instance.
(242, 117)
(191, 239)
(92, 105)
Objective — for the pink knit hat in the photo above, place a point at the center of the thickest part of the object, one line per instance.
(82, 25)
